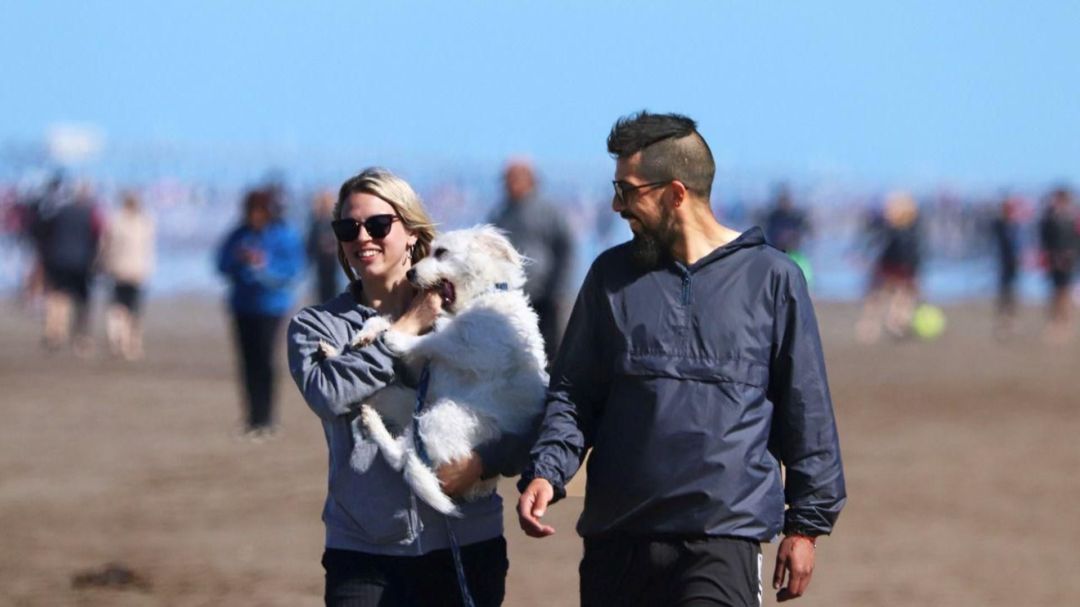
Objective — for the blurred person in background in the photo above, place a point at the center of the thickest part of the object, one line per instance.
(786, 228)
(1058, 235)
(322, 248)
(383, 546)
(36, 210)
(1006, 232)
(539, 231)
(894, 282)
(70, 239)
(261, 258)
(128, 259)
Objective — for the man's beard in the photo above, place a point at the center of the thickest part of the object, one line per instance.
(651, 246)
(646, 251)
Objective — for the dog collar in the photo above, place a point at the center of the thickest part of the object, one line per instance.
(502, 286)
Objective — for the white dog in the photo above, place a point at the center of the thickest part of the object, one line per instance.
(486, 360)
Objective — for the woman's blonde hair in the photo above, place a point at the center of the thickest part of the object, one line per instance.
(397, 193)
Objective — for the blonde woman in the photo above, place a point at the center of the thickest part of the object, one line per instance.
(383, 546)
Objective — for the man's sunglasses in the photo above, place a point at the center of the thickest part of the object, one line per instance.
(622, 188)
(377, 226)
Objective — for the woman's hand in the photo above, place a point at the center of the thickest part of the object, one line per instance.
(421, 314)
(459, 475)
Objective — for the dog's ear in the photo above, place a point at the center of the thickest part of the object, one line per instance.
(495, 241)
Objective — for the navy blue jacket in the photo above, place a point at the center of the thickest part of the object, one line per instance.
(692, 386)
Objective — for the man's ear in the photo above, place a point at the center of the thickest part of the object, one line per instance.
(678, 193)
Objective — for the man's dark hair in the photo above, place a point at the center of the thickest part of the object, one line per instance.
(670, 146)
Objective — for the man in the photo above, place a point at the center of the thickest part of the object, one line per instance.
(540, 233)
(786, 225)
(786, 228)
(1059, 239)
(322, 248)
(69, 249)
(693, 369)
(1006, 233)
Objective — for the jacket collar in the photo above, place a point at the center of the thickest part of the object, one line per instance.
(753, 237)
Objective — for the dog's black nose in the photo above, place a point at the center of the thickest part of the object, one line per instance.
(411, 275)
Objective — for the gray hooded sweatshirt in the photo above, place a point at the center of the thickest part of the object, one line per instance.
(370, 508)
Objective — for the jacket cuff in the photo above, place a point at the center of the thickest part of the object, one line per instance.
(533, 472)
(796, 523)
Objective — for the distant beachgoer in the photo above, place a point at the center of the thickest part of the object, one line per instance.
(1006, 230)
(128, 258)
(70, 237)
(786, 225)
(894, 287)
(261, 258)
(322, 248)
(35, 211)
(786, 228)
(539, 232)
(1060, 246)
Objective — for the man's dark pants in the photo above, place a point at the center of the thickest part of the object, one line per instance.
(671, 571)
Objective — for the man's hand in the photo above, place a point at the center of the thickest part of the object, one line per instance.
(795, 558)
(532, 505)
(457, 476)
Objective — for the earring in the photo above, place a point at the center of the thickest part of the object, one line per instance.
(408, 255)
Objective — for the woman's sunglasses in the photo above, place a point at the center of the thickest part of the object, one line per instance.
(377, 226)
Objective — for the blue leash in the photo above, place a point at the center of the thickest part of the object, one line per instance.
(421, 451)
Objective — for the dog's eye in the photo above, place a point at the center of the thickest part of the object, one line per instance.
(440, 253)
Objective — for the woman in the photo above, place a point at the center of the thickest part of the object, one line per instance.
(128, 255)
(383, 546)
(261, 259)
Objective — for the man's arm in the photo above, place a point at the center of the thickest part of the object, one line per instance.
(804, 435)
(578, 381)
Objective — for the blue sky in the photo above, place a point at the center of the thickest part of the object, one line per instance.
(985, 92)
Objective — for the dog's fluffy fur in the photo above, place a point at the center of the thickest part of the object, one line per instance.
(486, 360)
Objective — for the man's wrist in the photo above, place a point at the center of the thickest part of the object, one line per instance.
(801, 535)
(529, 476)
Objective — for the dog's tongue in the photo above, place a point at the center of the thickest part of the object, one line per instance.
(446, 291)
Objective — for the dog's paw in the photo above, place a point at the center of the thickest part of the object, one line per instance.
(326, 351)
(399, 344)
(372, 329)
(369, 416)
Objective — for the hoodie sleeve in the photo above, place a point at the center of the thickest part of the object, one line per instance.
(336, 385)
(228, 261)
(804, 432)
(578, 382)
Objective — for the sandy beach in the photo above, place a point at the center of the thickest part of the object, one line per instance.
(959, 454)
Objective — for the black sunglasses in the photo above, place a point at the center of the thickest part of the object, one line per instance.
(377, 226)
(622, 188)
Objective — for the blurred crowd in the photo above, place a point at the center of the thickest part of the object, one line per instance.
(70, 235)
(74, 237)
(71, 240)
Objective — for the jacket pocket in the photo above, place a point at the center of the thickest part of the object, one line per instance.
(744, 371)
(376, 503)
